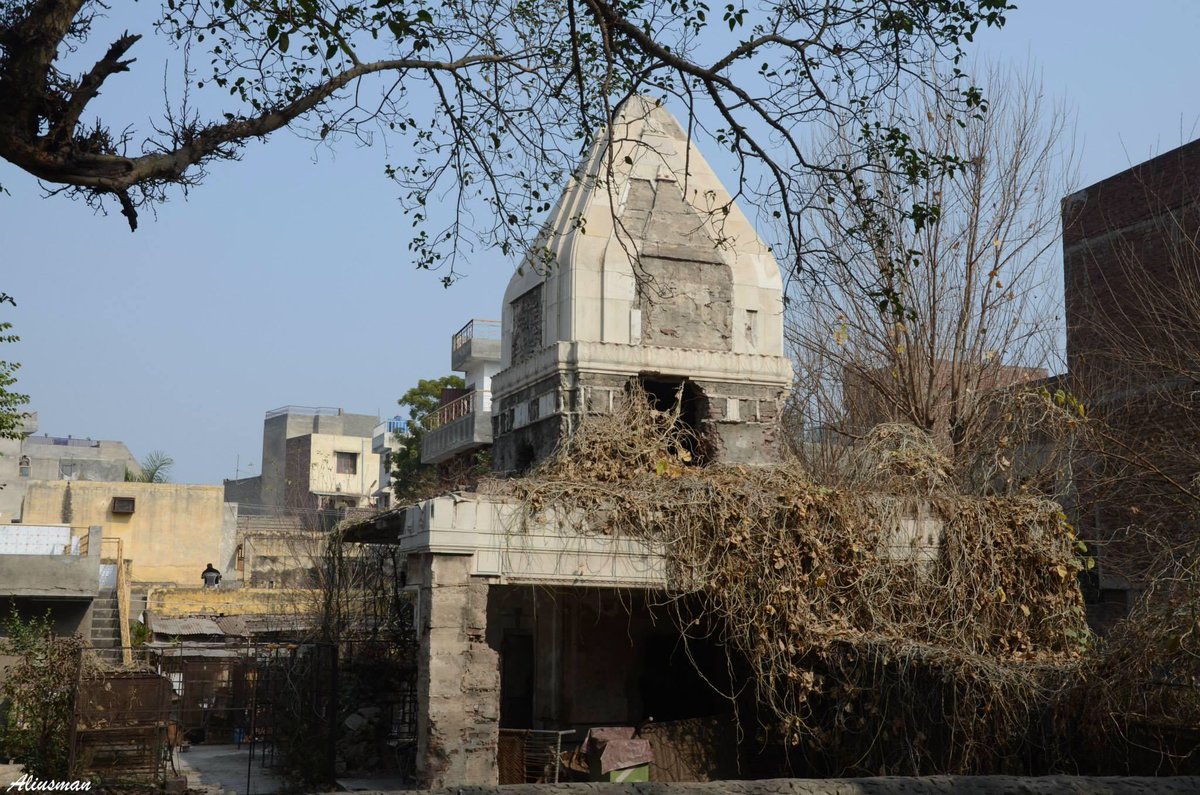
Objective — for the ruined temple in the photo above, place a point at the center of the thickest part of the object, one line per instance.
(648, 279)
(648, 272)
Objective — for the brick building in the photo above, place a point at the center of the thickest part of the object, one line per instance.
(874, 395)
(1132, 284)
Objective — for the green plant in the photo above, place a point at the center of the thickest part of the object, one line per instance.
(412, 480)
(138, 634)
(11, 415)
(38, 695)
(154, 468)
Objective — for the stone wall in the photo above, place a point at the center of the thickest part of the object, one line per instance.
(527, 324)
(741, 420)
(882, 785)
(175, 602)
(458, 679)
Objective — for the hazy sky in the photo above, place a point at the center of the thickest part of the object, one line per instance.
(284, 279)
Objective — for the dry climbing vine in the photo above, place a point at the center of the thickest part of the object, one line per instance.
(887, 631)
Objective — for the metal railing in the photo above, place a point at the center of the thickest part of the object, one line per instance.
(475, 329)
(464, 406)
(397, 424)
(62, 441)
(531, 756)
(391, 426)
(106, 546)
(306, 411)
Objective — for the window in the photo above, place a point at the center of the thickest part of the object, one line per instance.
(23, 466)
(347, 463)
(123, 505)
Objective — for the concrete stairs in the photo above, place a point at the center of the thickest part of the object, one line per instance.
(106, 627)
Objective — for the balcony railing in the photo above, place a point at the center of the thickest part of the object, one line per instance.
(462, 425)
(306, 411)
(384, 435)
(468, 404)
(475, 330)
(65, 441)
(391, 426)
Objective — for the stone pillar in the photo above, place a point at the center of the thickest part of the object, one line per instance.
(547, 638)
(458, 675)
(95, 539)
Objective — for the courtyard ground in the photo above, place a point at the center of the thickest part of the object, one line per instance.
(223, 769)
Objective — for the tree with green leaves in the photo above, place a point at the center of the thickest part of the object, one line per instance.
(154, 468)
(493, 103)
(12, 415)
(412, 480)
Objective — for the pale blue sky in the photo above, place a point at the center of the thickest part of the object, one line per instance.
(285, 278)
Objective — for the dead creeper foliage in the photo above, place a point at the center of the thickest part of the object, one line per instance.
(919, 632)
(1142, 702)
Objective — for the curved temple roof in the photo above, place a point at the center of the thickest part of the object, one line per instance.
(646, 247)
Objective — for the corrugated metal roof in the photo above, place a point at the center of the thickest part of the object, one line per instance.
(184, 627)
(195, 651)
(233, 625)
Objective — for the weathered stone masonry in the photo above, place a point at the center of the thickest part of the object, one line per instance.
(458, 689)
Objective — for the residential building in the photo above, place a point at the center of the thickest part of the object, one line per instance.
(317, 463)
(873, 395)
(55, 458)
(462, 425)
(99, 541)
(50, 570)
(385, 443)
(312, 459)
(168, 531)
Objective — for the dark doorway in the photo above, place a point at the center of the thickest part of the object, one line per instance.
(680, 682)
(665, 394)
(516, 681)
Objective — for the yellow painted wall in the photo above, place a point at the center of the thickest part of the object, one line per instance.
(174, 531)
(176, 602)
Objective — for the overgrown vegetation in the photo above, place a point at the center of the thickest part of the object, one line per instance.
(1140, 708)
(412, 480)
(897, 627)
(37, 696)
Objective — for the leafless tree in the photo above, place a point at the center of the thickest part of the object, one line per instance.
(933, 325)
(494, 102)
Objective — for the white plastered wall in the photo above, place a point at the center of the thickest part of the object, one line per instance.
(590, 295)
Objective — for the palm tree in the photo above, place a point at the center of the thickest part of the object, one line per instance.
(154, 468)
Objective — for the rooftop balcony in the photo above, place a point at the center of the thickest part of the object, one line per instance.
(457, 427)
(477, 341)
(383, 438)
